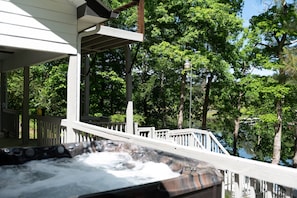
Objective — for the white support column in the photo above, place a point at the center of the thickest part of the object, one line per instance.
(25, 113)
(73, 95)
(129, 110)
(73, 87)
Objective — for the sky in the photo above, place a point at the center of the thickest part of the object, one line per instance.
(256, 7)
(251, 8)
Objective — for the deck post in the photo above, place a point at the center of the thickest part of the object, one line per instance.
(129, 110)
(73, 95)
(3, 98)
(25, 113)
(87, 85)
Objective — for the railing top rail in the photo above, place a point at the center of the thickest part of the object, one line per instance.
(284, 176)
(11, 111)
(54, 119)
(189, 130)
(109, 123)
(145, 128)
(182, 130)
(162, 130)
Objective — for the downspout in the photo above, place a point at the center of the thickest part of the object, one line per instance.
(79, 39)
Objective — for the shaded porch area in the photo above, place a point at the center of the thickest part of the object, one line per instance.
(20, 124)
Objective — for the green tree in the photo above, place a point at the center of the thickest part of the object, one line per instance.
(107, 83)
(48, 87)
(15, 89)
(273, 26)
(194, 30)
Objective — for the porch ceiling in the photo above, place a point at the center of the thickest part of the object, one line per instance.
(109, 38)
(6, 52)
(13, 58)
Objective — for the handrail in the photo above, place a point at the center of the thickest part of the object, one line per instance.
(189, 137)
(242, 177)
(280, 175)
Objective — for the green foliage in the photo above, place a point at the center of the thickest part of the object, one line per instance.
(98, 115)
(139, 119)
(107, 83)
(15, 89)
(48, 88)
(117, 118)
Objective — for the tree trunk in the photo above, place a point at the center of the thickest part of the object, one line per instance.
(235, 135)
(295, 150)
(278, 134)
(237, 124)
(206, 102)
(282, 80)
(182, 100)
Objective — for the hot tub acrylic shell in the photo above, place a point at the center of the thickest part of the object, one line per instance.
(197, 178)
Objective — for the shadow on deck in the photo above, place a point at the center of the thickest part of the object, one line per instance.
(13, 142)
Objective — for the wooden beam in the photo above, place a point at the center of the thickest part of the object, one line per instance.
(126, 6)
(140, 20)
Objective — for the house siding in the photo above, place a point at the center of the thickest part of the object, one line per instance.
(43, 25)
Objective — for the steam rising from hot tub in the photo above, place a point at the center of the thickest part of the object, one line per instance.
(83, 174)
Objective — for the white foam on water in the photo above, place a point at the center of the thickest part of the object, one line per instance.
(84, 174)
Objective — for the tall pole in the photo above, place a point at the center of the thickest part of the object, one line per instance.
(87, 85)
(190, 108)
(25, 113)
(129, 110)
(189, 66)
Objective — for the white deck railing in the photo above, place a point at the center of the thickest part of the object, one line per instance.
(48, 130)
(242, 177)
(10, 123)
(103, 122)
(187, 137)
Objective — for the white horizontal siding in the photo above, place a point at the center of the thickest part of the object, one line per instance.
(46, 25)
(53, 13)
(61, 5)
(26, 21)
(36, 34)
(37, 45)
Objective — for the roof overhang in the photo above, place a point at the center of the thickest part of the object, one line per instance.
(109, 38)
(89, 14)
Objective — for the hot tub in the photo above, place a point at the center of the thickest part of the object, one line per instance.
(188, 177)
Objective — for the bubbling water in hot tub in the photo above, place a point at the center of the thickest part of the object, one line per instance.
(83, 174)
